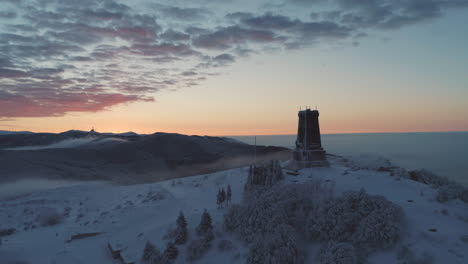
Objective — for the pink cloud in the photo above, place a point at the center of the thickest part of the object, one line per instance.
(60, 104)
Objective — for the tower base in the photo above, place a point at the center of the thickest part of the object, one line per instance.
(309, 159)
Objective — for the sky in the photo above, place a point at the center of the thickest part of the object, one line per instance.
(233, 67)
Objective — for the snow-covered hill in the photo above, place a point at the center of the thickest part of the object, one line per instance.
(126, 217)
(77, 155)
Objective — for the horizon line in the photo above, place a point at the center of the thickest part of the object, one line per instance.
(351, 133)
(250, 135)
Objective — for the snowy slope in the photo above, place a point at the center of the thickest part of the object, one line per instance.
(128, 216)
(75, 155)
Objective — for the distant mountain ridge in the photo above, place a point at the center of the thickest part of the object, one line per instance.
(19, 139)
(124, 158)
(7, 132)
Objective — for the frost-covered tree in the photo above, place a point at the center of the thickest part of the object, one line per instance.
(181, 220)
(151, 255)
(205, 223)
(282, 204)
(223, 196)
(170, 254)
(220, 197)
(205, 228)
(277, 247)
(198, 247)
(228, 193)
(264, 175)
(334, 252)
(274, 218)
(232, 220)
(357, 217)
(181, 233)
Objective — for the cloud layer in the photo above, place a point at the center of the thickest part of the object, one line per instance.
(59, 56)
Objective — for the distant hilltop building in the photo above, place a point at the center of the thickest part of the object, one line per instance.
(93, 133)
(309, 152)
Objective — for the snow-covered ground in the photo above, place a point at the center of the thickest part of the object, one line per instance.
(128, 216)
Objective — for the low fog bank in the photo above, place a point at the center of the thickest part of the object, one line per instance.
(69, 143)
(24, 187)
(151, 158)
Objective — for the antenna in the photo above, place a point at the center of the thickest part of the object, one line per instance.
(255, 150)
(305, 131)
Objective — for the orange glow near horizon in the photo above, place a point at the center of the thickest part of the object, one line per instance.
(241, 124)
(228, 133)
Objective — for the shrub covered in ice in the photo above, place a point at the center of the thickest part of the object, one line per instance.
(225, 245)
(452, 191)
(151, 255)
(428, 177)
(7, 231)
(276, 247)
(359, 218)
(367, 162)
(399, 172)
(406, 256)
(197, 248)
(49, 216)
(334, 252)
(447, 189)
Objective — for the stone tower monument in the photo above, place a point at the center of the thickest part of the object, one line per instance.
(309, 151)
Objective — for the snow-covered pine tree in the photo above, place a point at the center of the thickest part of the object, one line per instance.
(170, 254)
(151, 255)
(228, 193)
(218, 198)
(181, 220)
(264, 175)
(223, 196)
(181, 230)
(205, 228)
(198, 247)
